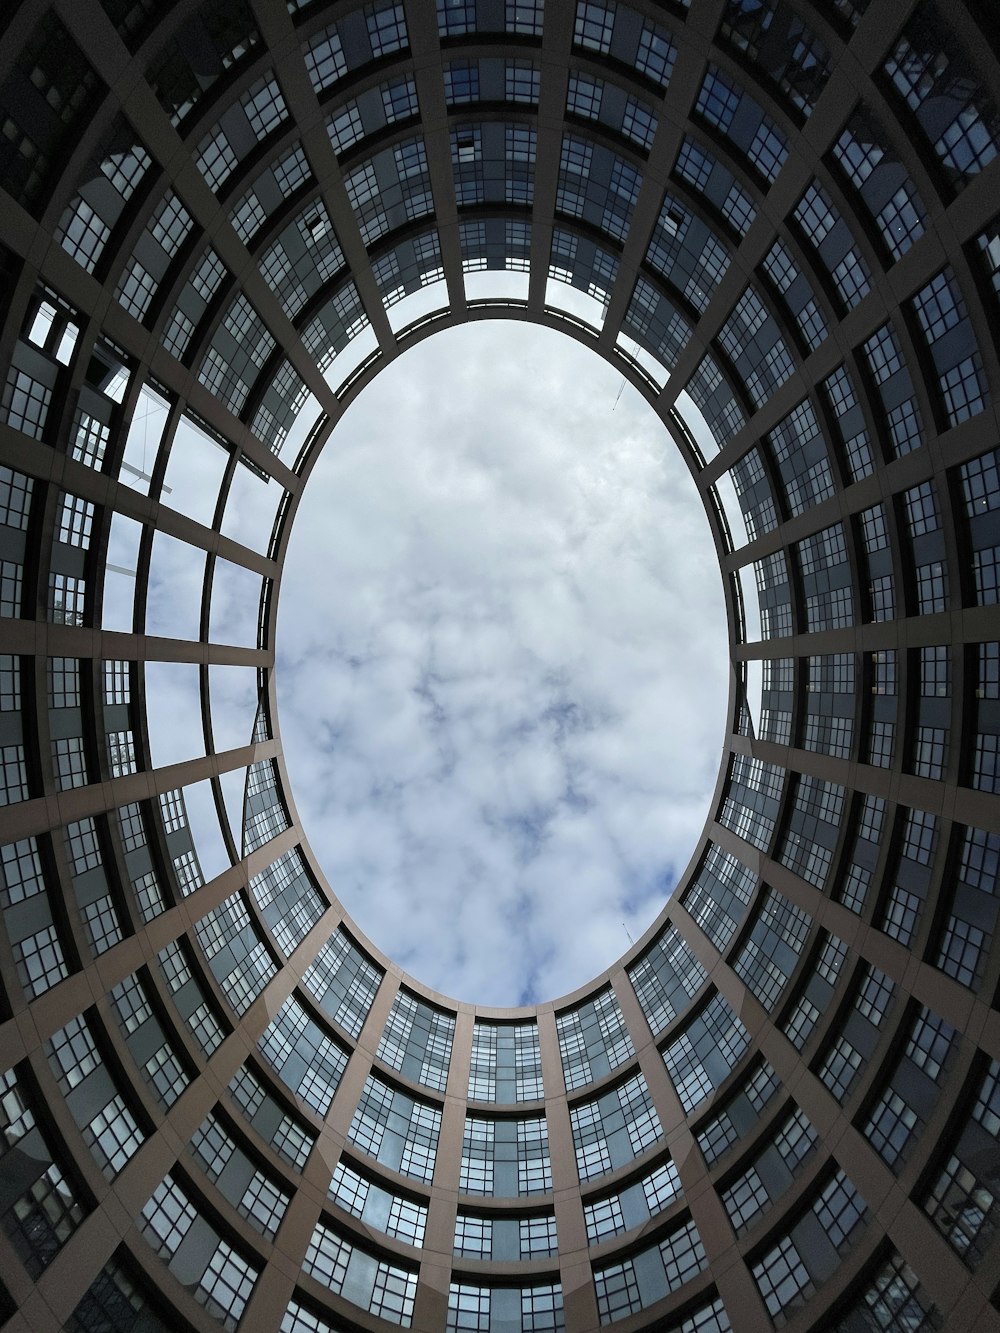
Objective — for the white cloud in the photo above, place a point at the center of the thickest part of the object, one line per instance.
(502, 663)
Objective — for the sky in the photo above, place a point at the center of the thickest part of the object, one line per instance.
(502, 663)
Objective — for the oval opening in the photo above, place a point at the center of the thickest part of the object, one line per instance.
(502, 663)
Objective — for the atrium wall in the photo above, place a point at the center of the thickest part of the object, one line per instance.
(222, 1105)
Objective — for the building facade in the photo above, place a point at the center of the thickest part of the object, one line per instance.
(221, 1104)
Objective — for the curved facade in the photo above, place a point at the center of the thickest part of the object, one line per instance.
(221, 1104)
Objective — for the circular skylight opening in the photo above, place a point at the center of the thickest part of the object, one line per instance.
(502, 663)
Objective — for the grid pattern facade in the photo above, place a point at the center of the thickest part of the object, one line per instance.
(218, 1108)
